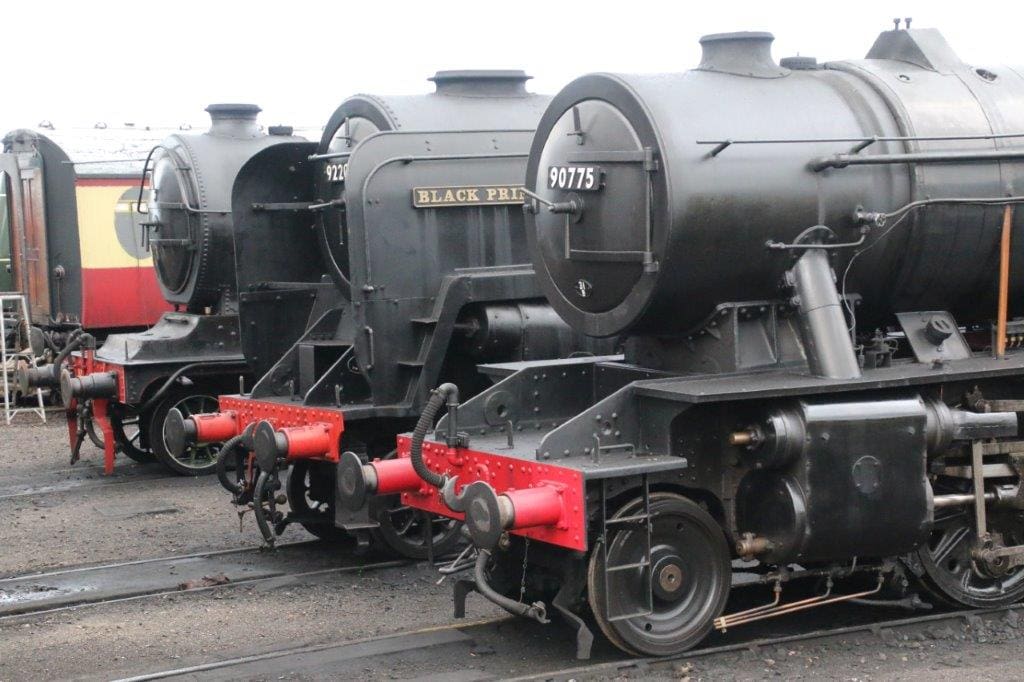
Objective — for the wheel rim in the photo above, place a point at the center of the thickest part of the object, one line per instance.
(195, 456)
(313, 514)
(690, 579)
(94, 432)
(128, 435)
(298, 494)
(403, 527)
(948, 569)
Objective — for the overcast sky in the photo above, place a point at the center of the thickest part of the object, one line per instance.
(76, 63)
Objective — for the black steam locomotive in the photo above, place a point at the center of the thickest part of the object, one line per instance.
(813, 270)
(416, 206)
(121, 393)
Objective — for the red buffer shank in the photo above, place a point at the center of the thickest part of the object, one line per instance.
(541, 506)
(395, 476)
(307, 442)
(489, 514)
(538, 500)
(215, 427)
(357, 481)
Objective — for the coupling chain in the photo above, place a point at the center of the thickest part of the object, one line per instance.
(522, 581)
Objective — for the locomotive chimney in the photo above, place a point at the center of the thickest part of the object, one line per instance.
(481, 83)
(746, 53)
(234, 120)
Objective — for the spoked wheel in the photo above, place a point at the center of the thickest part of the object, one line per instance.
(950, 573)
(197, 460)
(690, 578)
(403, 529)
(310, 490)
(127, 437)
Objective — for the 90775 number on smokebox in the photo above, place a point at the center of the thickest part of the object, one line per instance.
(575, 178)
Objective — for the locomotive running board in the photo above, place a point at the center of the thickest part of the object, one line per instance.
(779, 384)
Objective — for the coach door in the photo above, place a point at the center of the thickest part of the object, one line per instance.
(32, 234)
(6, 264)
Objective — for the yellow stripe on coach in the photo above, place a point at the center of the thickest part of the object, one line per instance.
(98, 207)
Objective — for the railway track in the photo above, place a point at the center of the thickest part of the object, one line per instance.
(464, 652)
(421, 641)
(67, 589)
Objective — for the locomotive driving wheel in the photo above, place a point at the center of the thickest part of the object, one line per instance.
(310, 491)
(689, 580)
(947, 569)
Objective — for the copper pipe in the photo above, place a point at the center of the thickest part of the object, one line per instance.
(724, 622)
(1004, 282)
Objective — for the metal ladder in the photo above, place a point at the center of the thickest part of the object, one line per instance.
(8, 357)
(643, 520)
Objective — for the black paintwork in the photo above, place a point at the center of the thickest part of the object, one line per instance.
(673, 251)
(710, 216)
(277, 286)
(193, 253)
(190, 206)
(416, 274)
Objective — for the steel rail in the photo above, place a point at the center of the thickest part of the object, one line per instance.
(380, 565)
(280, 653)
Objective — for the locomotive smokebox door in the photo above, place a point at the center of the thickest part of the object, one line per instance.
(856, 488)
(595, 161)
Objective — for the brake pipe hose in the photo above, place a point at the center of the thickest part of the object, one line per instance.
(536, 610)
(228, 451)
(444, 393)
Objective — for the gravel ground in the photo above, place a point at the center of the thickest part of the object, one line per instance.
(139, 513)
(123, 519)
(116, 640)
